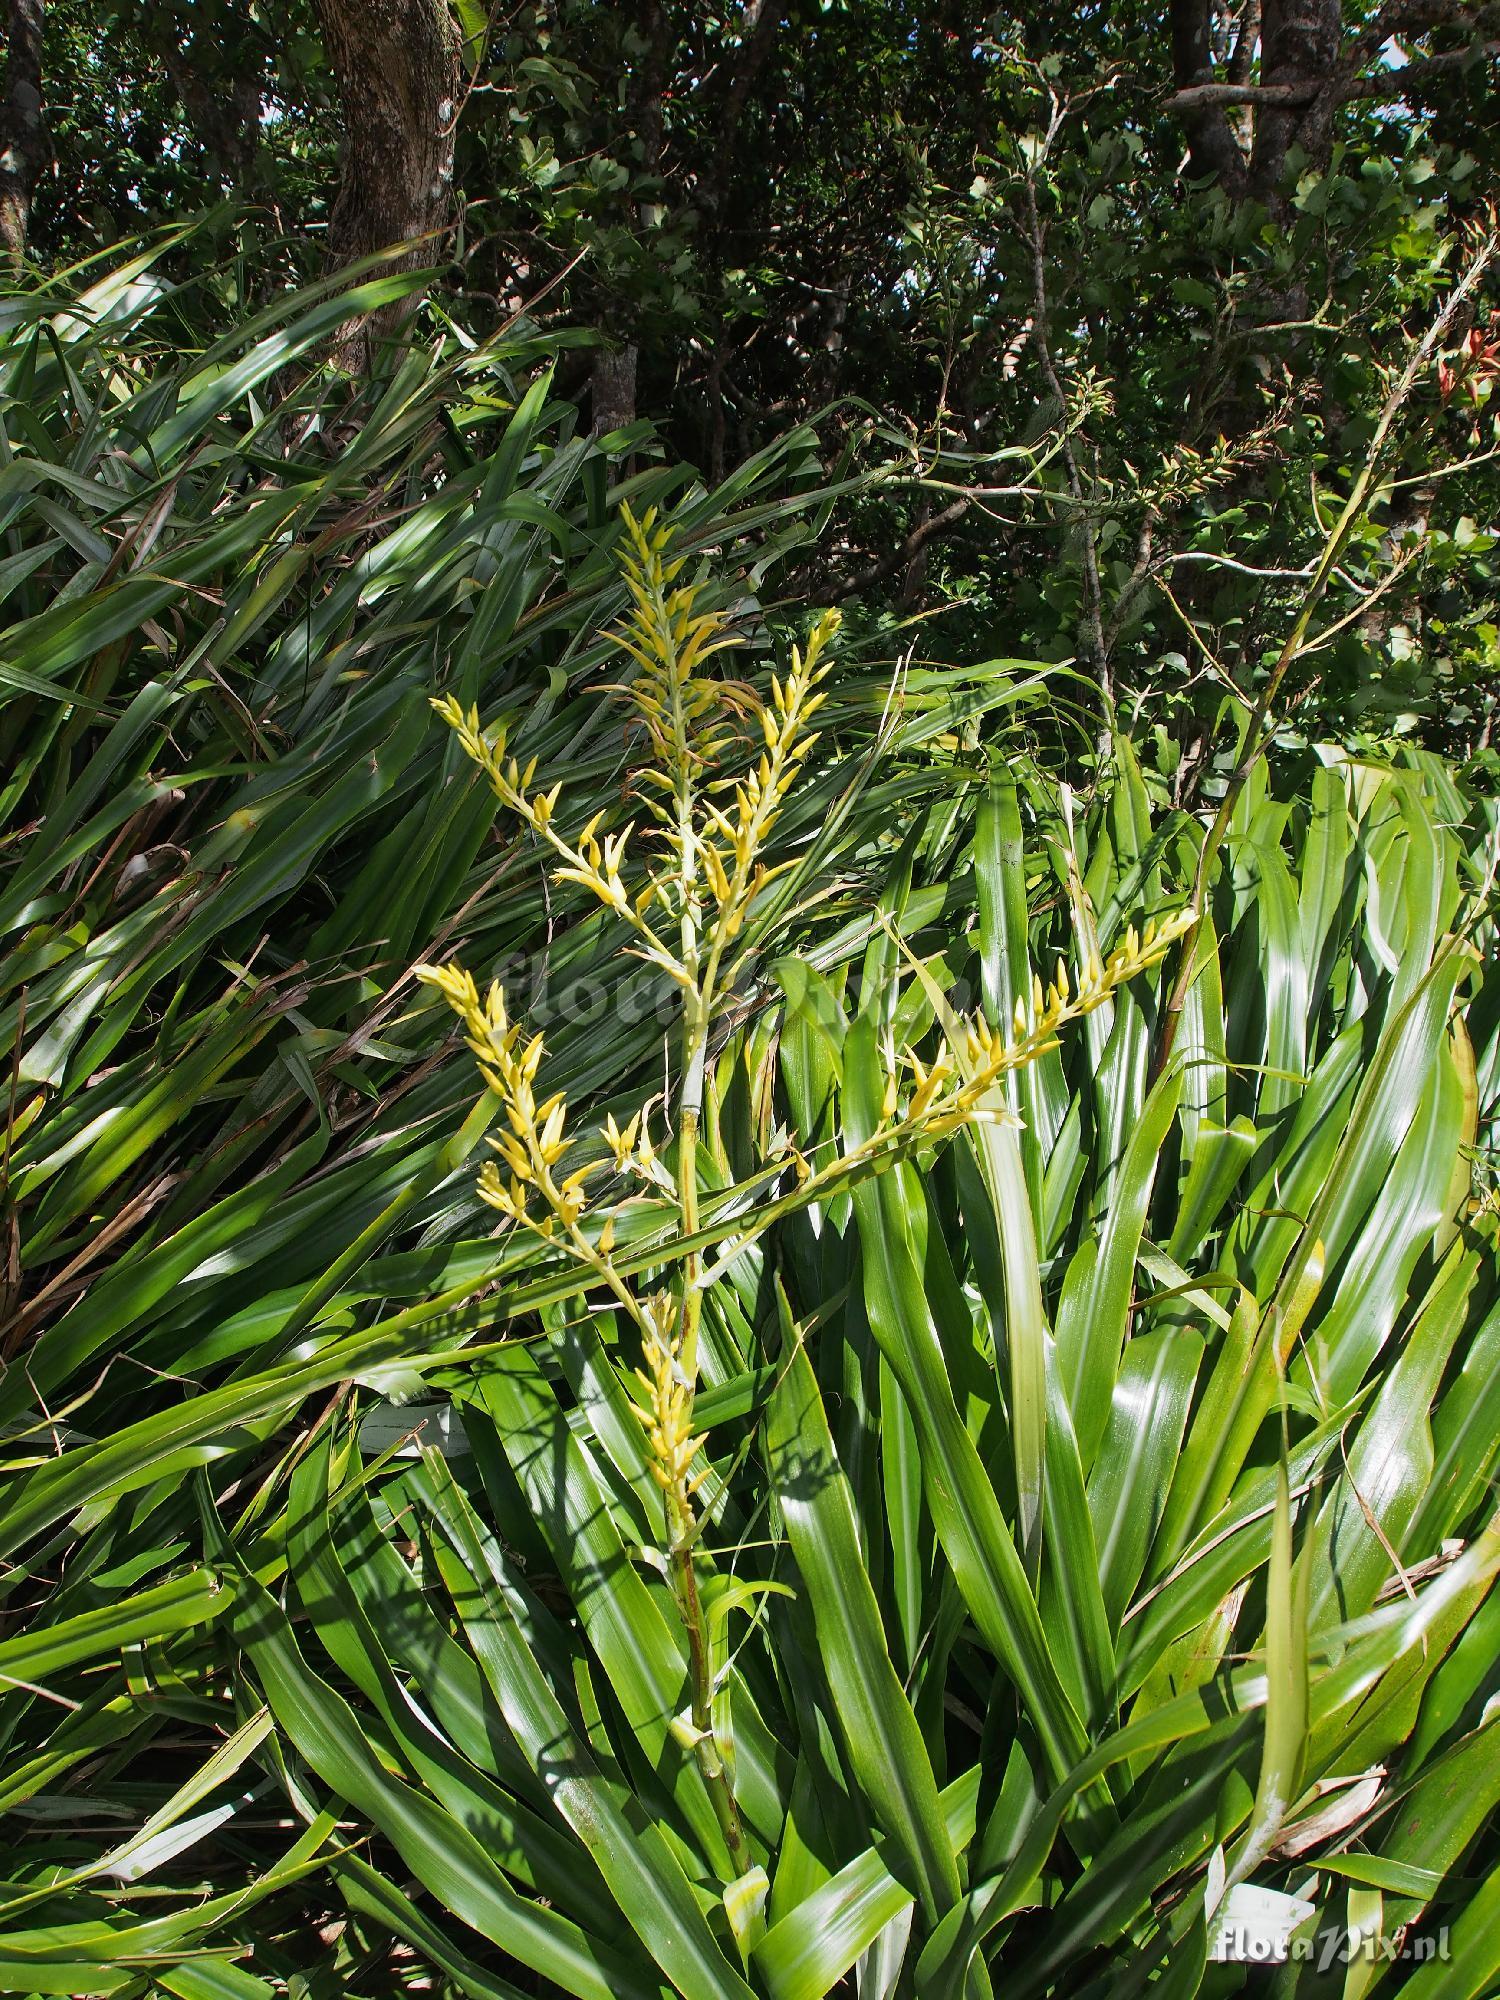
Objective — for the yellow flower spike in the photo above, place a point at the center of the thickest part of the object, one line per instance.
(571, 1198)
(445, 979)
(824, 628)
(983, 1056)
(535, 1141)
(929, 1083)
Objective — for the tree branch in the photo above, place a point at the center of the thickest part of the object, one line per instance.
(1397, 82)
(1202, 96)
(905, 552)
(1391, 83)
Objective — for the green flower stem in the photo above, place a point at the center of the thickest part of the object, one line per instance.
(684, 1536)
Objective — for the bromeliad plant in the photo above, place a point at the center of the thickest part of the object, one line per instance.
(1080, 1512)
(705, 833)
(696, 868)
(232, 1172)
(1100, 1465)
(224, 835)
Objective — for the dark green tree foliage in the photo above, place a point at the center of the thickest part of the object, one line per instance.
(1193, 242)
(154, 113)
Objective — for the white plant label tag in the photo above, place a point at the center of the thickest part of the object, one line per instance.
(1255, 1926)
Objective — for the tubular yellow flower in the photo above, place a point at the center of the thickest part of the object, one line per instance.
(989, 1055)
(670, 641)
(621, 1144)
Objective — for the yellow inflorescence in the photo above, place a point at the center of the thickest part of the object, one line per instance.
(704, 868)
(733, 870)
(534, 1145)
(637, 1155)
(597, 868)
(666, 1408)
(1066, 999)
(670, 640)
(509, 779)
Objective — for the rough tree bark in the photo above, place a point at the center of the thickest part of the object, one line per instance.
(1299, 51)
(1311, 61)
(396, 63)
(1304, 74)
(23, 132)
(612, 387)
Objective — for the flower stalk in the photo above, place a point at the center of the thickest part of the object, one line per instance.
(683, 878)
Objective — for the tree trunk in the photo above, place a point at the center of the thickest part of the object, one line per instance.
(612, 388)
(613, 379)
(1304, 73)
(1213, 150)
(1300, 48)
(227, 122)
(397, 67)
(23, 136)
